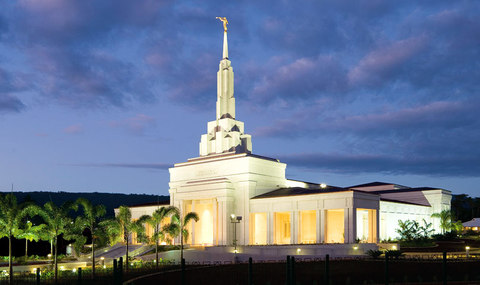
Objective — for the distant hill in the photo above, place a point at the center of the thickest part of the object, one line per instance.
(109, 200)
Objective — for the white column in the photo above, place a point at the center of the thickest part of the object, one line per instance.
(215, 222)
(320, 225)
(270, 228)
(293, 227)
(192, 234)
(350, 225)
(220, 221)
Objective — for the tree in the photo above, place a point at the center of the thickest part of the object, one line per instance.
(179, 226)
(426, 230)
(445, 217)
(90, 220)
(128, 226)
(57, 221)
(30, 233)
(159, 231)
(11, 215)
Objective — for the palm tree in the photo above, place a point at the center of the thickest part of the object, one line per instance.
(159, 232)
(11, 215)
(179, 226)
(57, 221)
(90, 221)
(30, 233)
(128, 226)
(445, 217)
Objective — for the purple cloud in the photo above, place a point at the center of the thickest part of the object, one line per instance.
(73, 129)
(382, 64)
(9, 103)
(467, 166)
(162, 166)
(136, 125)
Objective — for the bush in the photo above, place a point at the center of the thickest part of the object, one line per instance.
(374, 253)
(394, 253)
(450, 236)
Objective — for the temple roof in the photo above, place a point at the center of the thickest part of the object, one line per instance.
(296, 191)
(475, 222)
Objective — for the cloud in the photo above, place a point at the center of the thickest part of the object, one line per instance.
(136, 125)
(9, 103)
(384, 63)
(405, 122)
(432, 139)
(73, 129)
(301, 79)
(162, 166)
(467, 166)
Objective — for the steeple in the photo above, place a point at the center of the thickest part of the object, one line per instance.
(225, 45)
(225, 134)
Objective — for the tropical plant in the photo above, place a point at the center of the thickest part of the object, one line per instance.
(445, 217)
(408, 230)
(30, 233)
(57, 221)
(90, 220)
(160, 232)
(179, 227)
(426, 229)
(11, 215)
(394, 253)
(127, 226)
(374, 253)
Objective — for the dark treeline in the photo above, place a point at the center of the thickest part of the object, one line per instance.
(109, 200)
(465, 208)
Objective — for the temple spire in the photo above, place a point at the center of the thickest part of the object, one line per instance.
(225, 46)
(225, 134)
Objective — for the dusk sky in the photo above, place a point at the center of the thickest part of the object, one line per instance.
(107, 95)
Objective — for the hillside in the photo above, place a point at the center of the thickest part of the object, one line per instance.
(110, 200)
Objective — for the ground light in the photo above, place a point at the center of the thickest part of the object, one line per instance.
(355, 247)
(74, 270)
(394, 247)
(299, 250)
(467, 251)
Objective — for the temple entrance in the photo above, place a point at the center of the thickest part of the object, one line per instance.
(203, 230)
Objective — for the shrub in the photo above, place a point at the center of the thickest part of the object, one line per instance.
(395, 253)
(374, 253)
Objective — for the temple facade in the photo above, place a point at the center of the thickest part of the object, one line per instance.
(246, 199)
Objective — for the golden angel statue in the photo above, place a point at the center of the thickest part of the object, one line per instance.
(225, 22)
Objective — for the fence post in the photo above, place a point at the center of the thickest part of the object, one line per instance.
(183, 271)
(444, 268)
(115, 273)
(250, 271)
(327, 269)
(38, 276)
(120, 270)
(79, 272)
(386, 268)
(287, 271)
(292, 271)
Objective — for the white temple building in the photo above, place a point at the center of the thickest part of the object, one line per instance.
(228, 179)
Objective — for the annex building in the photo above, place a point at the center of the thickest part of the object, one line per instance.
(228, 181)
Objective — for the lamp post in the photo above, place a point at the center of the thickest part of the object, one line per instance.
(235, 220)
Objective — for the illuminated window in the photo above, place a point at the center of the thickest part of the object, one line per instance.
(308, 227)
(282, 228)
(258, 228)
(366, 225)
(335, 226)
